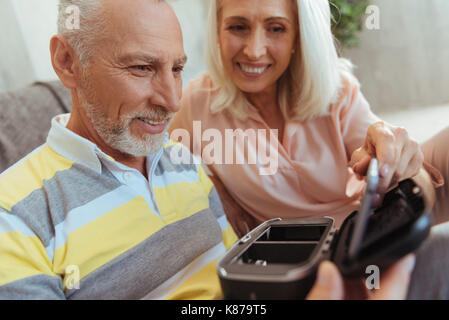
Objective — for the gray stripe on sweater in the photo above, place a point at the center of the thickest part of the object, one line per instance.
(48, 206)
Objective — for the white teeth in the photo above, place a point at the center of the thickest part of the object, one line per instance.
(153, 123)
(253, 70)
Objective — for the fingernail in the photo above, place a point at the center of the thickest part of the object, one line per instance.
(385, 170)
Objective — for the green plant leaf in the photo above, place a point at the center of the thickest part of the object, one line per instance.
(348, 20)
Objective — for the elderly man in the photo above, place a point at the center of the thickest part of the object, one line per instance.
(100, 211)
(100, 201)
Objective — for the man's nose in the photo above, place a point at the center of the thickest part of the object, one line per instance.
(167, 92)
(256, 47)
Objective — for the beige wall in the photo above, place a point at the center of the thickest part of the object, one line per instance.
(405, 64)
(192, 15)
(37, 20)
(16, 68)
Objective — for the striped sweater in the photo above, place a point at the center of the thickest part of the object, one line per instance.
(70, 229)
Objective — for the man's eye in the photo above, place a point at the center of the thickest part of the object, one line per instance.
(179, 69)
(142, 68)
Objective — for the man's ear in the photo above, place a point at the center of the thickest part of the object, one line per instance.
(64, 61)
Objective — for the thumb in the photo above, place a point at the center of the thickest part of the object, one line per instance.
(328, 284)
(360, 160)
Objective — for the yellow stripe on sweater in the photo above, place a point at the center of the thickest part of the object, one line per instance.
(21, 257)
(188, 196)
(205, 180)
(229, 237)
(20, 181)
(203, 285)
(105, 238)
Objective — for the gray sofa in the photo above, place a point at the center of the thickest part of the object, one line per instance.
(25, 117)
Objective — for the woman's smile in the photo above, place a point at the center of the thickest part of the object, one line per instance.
(253, 70)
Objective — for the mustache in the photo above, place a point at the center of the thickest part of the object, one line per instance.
(155, 113)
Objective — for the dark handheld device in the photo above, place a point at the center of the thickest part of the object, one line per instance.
(279, 259)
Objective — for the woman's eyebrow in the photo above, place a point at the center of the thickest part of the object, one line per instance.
(266, 20)
(236, 18)
(278, 18)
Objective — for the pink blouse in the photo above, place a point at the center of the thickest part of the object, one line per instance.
(312, 178)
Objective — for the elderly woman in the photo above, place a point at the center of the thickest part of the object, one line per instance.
(273, 67)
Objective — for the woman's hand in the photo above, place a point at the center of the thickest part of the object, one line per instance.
(399, 156)
(241, 221)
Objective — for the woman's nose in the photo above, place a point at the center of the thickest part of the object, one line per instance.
(256, 46)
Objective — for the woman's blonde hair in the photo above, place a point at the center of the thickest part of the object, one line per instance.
(309, 85)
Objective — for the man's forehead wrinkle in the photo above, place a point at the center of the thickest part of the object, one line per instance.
(133, 16)
(145, 38)
(149, 46)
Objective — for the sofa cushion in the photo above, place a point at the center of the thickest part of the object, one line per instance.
(25, 118)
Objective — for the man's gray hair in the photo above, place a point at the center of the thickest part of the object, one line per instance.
(92, 26)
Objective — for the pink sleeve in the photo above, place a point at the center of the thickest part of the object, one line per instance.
(436, 156)
(355, 115)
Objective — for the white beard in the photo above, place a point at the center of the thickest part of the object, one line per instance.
(118, 135)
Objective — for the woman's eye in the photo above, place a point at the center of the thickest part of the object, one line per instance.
(277, 29)
(237, 28)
